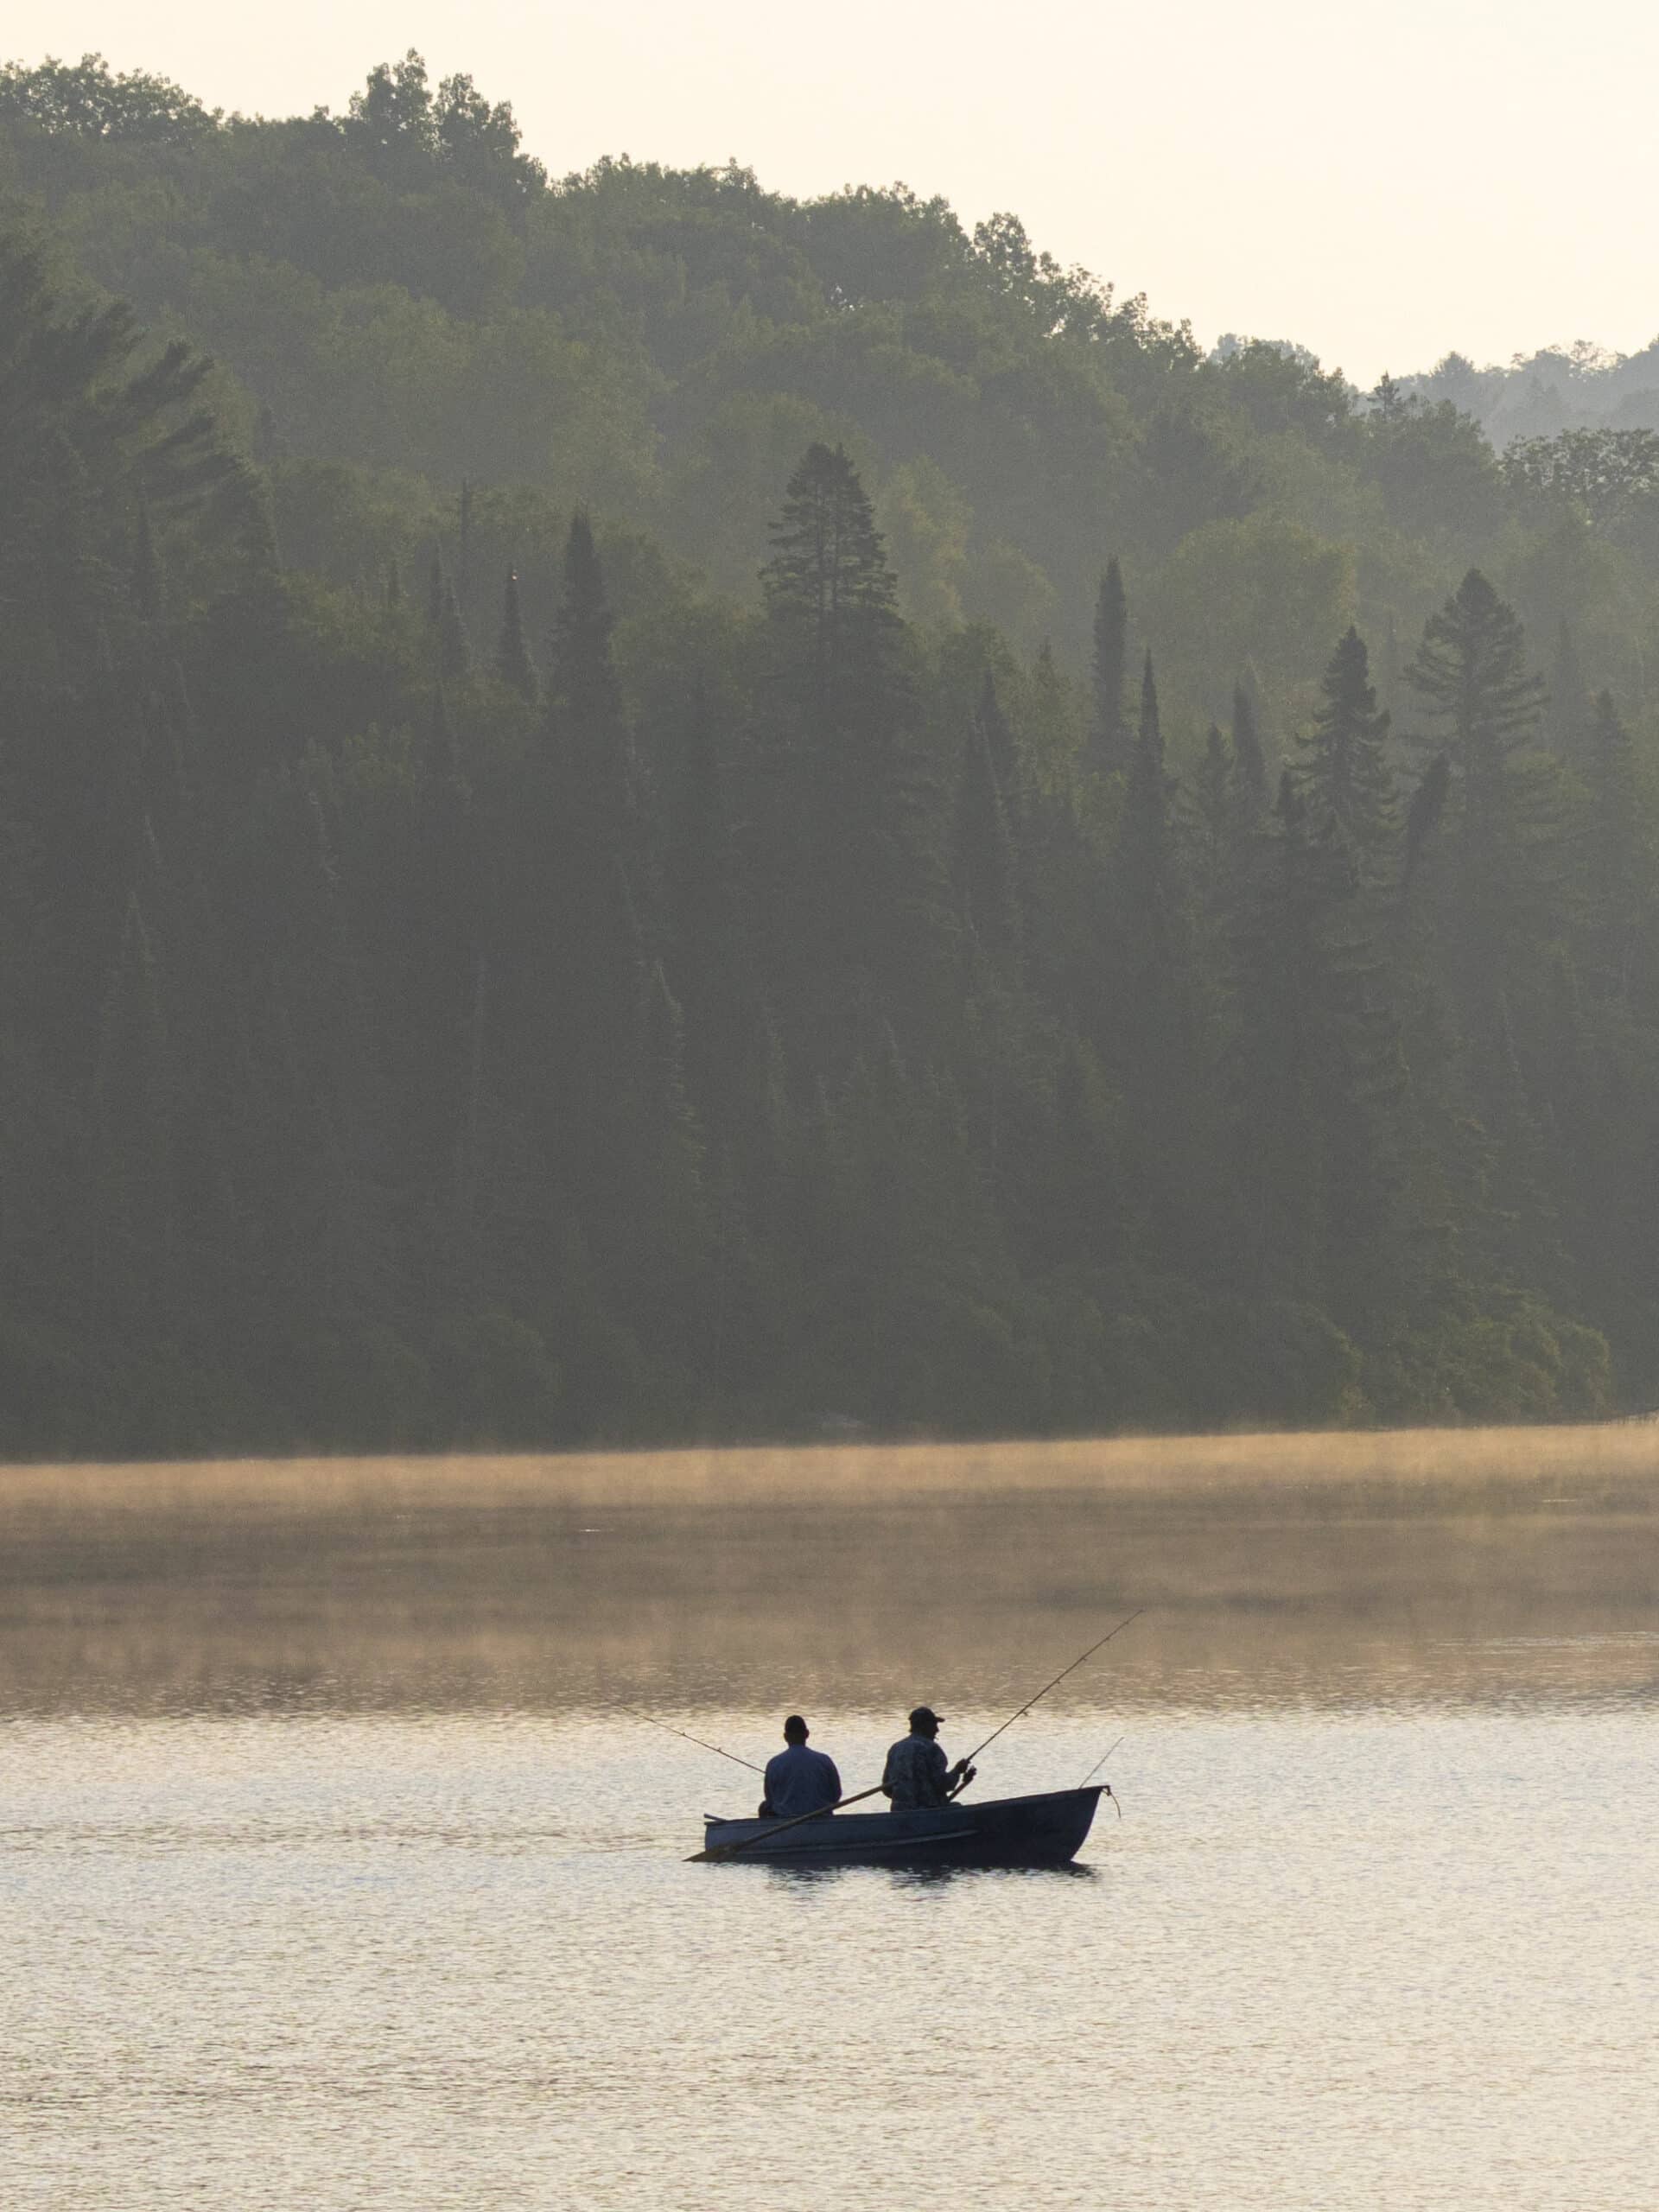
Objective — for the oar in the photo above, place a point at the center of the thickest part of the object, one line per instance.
(780, 1827)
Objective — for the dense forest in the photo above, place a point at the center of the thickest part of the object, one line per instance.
(633, 808)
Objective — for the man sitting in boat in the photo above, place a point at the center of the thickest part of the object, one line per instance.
(797, 1780)
(916, 1776)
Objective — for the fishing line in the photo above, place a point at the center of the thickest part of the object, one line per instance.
(686, 1738)
(1100, 1763)
(1059, 1679)
(1095, 1769)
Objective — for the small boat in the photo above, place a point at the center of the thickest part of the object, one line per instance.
(1043, 1831)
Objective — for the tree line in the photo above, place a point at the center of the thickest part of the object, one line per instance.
(612, 1011)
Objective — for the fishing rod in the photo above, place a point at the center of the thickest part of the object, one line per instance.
(1104, 1786)
(1098, 1763)
(702, 1742)
(1059, 1679)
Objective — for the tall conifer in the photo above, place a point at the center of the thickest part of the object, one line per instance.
(1110, 740)
(513, 665)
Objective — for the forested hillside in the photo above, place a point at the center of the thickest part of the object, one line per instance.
(649, 811)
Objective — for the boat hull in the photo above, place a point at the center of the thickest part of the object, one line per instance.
(1041, 1831)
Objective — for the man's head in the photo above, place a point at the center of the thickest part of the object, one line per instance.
(925, 1721)
(795, 1729)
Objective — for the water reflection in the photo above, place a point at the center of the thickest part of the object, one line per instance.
(341, 1874)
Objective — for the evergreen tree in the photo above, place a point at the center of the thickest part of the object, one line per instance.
(454, 649)
(1343, 773)
(1471, 673)
(828, 585)
(1145, 849)
(1617, 855)
(447, 968)
(985, 870)
(862, 901)
(1213, 817)
(513, 665)
(1110, 741)
(585, 715)
(1250, 763)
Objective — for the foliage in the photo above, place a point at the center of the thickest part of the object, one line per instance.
(579, 861)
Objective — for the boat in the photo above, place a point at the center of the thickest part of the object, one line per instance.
(1046, 1830)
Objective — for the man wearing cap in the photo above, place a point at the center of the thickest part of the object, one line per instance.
(797, 1780)
(916, 1776)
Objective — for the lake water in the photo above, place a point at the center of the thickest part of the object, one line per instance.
(337, 1874)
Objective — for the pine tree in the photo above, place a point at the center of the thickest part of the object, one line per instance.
(1471, 672)
(446, 971)
(1250, 763)
(1110, 741)
(1618, 854)
(828, 561)
(1344, 772)
(584, 699)
(1146, 854)
(454, 648)
(1213, 817)
(859, 908)
(513, 665)
(985, 869)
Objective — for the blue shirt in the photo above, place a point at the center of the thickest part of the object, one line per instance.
(801, 1780)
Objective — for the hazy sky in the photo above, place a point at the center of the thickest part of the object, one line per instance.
(1383, 183)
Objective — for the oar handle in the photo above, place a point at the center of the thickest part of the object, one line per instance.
(780, 1828)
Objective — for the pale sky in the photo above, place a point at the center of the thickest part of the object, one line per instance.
(1383, 183)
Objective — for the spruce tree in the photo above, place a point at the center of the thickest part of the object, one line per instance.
(1471, 674)
(1344, 772)
(833, 600)
(1110, 740)
(513, 665)
(446, 971)
(585, 715)
(985, 869)
(1212, 815)
(1146, 854)
(1617, 853)
(861, 911)
(1249, 762)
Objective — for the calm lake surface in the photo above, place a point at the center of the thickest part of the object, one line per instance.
(336, 1873)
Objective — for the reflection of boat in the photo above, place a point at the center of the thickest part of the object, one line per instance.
(1042, 1831)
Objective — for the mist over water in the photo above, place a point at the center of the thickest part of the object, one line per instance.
(338, 1871)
